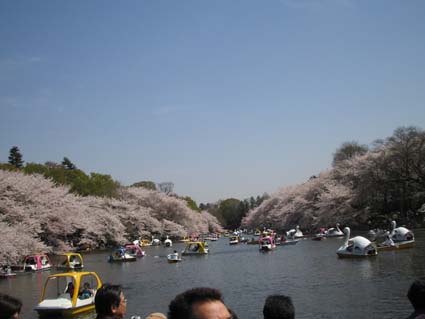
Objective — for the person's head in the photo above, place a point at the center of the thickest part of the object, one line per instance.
(156, 315)
(199, 303)
(278, 307)
(110, 300)
(416, 294)
(86, 285)
(10, 307)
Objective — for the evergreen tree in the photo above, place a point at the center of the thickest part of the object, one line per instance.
(68, 164)
(15, 157)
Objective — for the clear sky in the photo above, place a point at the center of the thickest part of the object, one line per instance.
(224, 98)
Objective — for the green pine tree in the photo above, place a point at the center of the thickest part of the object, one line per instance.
(15, 157)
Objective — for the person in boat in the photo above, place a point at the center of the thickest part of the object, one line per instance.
(110, 302)
(86, 291)
(416, 295)
(388, 240)
(70, 289)
(278, 306)
(10, 307)
(199, 303)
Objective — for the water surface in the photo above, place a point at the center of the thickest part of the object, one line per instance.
(320, 284)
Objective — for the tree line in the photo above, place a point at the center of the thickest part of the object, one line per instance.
(65, 173)
(367, 186)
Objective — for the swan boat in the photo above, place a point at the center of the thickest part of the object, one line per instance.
(168, 242)
(121, 254)
(295, 233)
(174, 257)
(70, 261)
(195, 248)
(57, 300)
(356, 247)
(334, 232)
(145, 242)
(399, 238)
(402, 236)
(267, 243)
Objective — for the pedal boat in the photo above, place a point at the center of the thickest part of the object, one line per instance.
(334, 232)
(356, 247)
(195, 248)
(402, 236)
(36, 262)
(134, 250)
(121, 255)
(168, 242)
(173, 258)
(70, 261)
(267, 243)
(294, 233)
(6, 272)
(56, 302)
(233, 240)
(392, 244)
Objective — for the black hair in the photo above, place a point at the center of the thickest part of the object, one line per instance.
(416, 294)
(107, 296)
(181, 306)
(9, 306)
(278, 307)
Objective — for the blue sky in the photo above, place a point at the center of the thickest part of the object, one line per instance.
(224, 98)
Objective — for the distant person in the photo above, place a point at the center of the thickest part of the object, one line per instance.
(110, 302)
(416, 295)
(70, 289)
(10, 307)
(199, 303)
(86, 291)
(278, 307)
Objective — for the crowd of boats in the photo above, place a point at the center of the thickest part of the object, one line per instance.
(73, 291)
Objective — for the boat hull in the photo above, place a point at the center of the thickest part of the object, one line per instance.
(342, 255)
(398, 246)
(61, 312)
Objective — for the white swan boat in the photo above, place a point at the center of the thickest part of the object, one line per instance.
(294, 233)
(401, 235)
(356, 247)
(334, 232)
(168, 242)
(399, 238)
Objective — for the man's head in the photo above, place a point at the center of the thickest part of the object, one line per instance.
(416, 294)
(278, 307)
(199, 303)
(10, 307)
(110, 300)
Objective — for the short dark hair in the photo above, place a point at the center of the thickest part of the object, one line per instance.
(107, 296)
(416, 294)
(181, 306)
(278, 307)
(9, 306)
